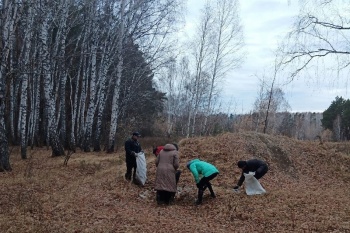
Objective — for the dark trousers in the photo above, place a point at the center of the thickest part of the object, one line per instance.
(130, 165)
(203, 184)
(165, 197)
(261, 171)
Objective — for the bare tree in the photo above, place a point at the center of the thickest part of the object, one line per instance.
(270, 100)
(147, 23)
(52, 137)
(28, 22)
(320, 39)
(200, 47)
(9, 11)
(227, 44)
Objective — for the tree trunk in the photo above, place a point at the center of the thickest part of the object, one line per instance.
(115, 101)
(53, 139)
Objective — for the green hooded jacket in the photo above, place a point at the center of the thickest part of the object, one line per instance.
(201, 169)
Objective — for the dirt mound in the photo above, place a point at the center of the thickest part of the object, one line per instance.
(307, 185)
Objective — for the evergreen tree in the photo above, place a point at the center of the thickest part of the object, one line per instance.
(337, 118)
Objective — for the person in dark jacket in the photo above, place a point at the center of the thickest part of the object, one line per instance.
(202, 172)
(132, 146)
(254, 165)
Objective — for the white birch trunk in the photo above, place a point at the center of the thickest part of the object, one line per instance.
(24, 78)
(92, 105)
(92, 91)
(105, 63)
(115, 101)
(9, 14)
(52, 139)
(63, 73)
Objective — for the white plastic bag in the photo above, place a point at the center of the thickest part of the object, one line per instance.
(141, 170)
(252, 185)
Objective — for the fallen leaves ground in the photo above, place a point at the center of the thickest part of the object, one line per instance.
(307, 184)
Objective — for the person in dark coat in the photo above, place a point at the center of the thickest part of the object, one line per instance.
(167, 163)
(254, 165)
(132, 146)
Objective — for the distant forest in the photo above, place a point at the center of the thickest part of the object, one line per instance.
(85, 74)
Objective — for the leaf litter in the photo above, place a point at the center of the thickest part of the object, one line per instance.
(307, 190)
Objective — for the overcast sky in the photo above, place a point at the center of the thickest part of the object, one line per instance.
(265, 23)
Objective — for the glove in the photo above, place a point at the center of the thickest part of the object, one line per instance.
(236, 187)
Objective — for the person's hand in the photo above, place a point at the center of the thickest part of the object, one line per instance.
(236, 187)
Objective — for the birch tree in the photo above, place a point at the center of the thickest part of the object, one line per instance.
(95, 32)
(115, 101)
(227, 47)
(201, 49)
(108, 49)
(147, 23)
(9, 11)
(28, 22)
(52, 137)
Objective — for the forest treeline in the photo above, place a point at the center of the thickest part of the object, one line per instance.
(82, 74)
(73, 73)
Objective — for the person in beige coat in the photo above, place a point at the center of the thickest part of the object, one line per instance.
(167, 163)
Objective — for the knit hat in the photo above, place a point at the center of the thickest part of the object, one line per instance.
(241, 164)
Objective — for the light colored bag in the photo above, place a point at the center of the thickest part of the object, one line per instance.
(141, 170)
(252, 185)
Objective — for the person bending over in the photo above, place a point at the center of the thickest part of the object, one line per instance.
(202, 172)
(254, 165)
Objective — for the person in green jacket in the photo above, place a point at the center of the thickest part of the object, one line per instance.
(202, 172)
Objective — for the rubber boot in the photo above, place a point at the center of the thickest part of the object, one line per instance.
(200, 197)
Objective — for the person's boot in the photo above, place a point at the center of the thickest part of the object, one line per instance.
(200, 197)
(128, 177)
(135, 181)
(212, 194)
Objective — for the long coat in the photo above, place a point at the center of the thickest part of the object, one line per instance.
(167, 163)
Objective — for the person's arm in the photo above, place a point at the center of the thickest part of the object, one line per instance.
(176, 162)
(241, 180)
(128, 148)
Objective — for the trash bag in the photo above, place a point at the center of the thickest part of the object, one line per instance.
(141, 170)
(252, 185)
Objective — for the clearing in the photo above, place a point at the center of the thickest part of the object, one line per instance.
(307, 184)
